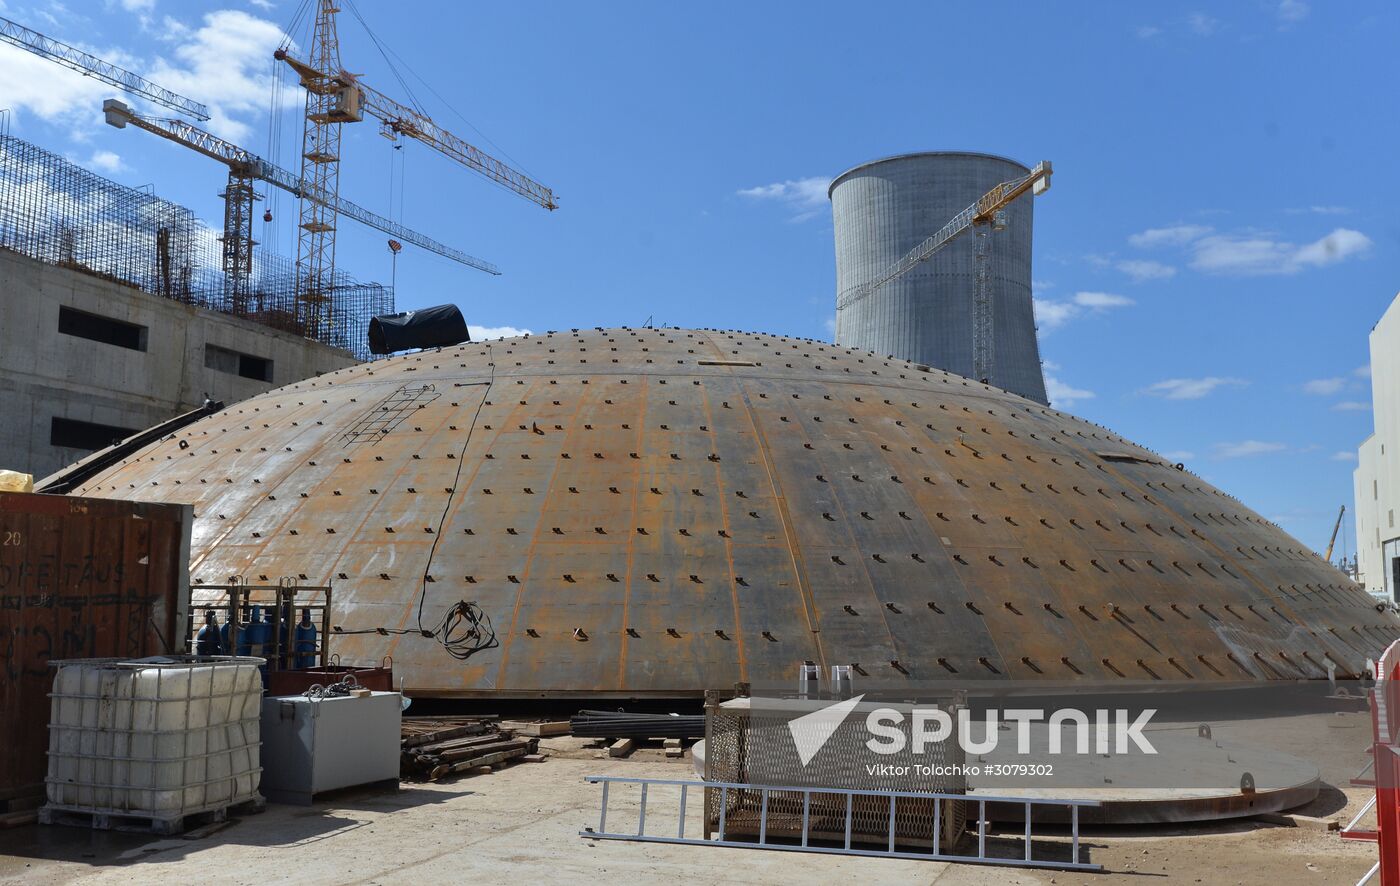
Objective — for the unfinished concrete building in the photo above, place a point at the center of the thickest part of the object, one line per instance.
(115, 314)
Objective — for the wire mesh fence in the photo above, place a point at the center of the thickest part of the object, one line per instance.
(753, 741)
(59, 213)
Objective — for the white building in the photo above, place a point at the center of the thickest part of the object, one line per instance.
(1377, 477)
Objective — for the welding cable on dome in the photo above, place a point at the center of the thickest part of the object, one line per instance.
(465, 629)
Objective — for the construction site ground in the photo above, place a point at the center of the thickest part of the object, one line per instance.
(521, 824)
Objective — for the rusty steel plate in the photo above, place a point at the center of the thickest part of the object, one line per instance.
(659, 512)
(79, 578)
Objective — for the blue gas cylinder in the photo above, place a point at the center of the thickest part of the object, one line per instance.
(286, 627)
(208, 640)
(238, 646)
(255, 634)
(306, 641)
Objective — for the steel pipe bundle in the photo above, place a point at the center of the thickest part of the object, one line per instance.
(621, 724)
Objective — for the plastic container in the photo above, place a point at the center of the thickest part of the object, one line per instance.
(160, 737)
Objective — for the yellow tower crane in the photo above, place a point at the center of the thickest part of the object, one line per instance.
(986, 215)
(335, 97)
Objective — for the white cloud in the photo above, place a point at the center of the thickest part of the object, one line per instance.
(1190, 388)
(105, 161)
(1362, 371)
(264, 5)
(1141, 270)
(51, 92)
(1351, 406)
(1039, 286)
(830, 325)
(1244, 255)
(1179, 455)
(1247, 448)
(1147, 32)
(806, 196)
(1173, 235)
(1319, 210)
(1291, 11)
(1054, 314)
(1100, 301)
(1202, 24)
(485, 333)
(1240, 255)
(172, 30)
(1062, 395)
(1344, 456)
(223, 63)
(1341, 244)
(1324, 386)
(142, 9)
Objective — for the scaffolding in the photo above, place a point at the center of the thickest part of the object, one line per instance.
(59, 213)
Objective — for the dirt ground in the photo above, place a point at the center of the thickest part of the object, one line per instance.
(522, 823)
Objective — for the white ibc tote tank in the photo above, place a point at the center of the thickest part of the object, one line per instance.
(161, 737)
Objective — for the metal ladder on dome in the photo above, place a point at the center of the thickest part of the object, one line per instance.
(387, 414)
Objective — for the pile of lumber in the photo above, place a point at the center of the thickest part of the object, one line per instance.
(435, 747)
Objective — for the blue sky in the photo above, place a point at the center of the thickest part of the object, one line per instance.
(1221, 236)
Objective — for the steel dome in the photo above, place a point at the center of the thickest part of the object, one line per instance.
(657, 512)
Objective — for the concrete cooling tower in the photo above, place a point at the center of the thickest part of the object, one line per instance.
(645, 512)
(881, 211)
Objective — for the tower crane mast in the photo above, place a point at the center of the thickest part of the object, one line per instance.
(335, 97)
(982, 217)
(246, 167)
(16, 34)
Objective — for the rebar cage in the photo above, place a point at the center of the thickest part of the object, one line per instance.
(59, 213)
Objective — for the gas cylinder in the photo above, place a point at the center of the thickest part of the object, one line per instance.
(286, 628)
(240, 641)
(208, 640)
(255, 633)
(306, 641)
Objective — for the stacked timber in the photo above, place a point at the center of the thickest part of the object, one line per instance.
(435, 747)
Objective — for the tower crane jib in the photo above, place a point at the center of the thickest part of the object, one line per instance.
(246, 167)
